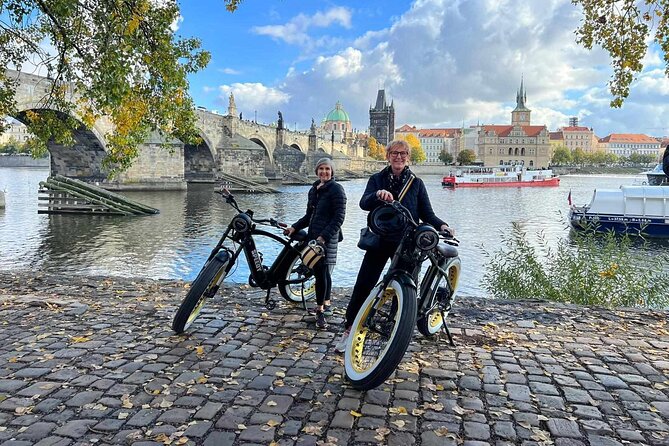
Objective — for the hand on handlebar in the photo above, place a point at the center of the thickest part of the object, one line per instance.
(447, 230)
(384, 195)
(289, 231)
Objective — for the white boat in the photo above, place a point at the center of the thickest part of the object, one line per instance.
(656, 176)
(500, 176)
(631, 209)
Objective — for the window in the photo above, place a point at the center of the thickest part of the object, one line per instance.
(522, 151)
(531, 163)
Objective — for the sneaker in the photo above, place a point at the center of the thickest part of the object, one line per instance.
(340, 346)
(327, 310)
(321, 323)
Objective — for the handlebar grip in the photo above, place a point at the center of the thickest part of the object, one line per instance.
(282, 225)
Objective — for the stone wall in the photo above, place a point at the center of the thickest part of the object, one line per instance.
(23, 161)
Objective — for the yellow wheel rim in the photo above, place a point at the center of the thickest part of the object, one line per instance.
(360, 333)
(435, 320)
(203, 298)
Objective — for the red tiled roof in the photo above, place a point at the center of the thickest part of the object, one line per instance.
(438, 133)
(555, 136)
(628, 138)
(406, 128)
(505, 130)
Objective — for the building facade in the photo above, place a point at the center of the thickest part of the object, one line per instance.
(625, 144)
(518, 143)
(338, 124)
(382, 119)
(15, 132)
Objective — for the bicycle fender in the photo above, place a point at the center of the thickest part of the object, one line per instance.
(406, 279)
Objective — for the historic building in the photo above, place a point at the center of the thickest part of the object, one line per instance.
(625, 144)
(337, 124)
(15, 132)
(382, 119)
(518, 143)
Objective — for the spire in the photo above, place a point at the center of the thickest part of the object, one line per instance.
(521, 97)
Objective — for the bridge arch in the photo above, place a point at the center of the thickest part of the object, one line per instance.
(82, 160)
(296, 146)
(199, 161)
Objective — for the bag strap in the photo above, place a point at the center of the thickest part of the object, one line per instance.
(406, 187)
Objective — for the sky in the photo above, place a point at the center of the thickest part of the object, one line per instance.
(444, 63)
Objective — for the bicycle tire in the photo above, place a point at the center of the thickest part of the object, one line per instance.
(431, 323)
(361, 375)
(291, 279)
(197, 294)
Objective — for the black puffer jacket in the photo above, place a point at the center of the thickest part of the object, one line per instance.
(416, 198)
(326, 210)
(665, 162)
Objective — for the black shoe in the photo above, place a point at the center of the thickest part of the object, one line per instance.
(321, 323)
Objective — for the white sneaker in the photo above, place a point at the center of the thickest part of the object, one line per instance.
(340, 346)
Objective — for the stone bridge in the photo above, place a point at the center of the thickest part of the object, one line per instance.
(228, 145)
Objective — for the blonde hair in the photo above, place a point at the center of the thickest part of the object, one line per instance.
(397, 144)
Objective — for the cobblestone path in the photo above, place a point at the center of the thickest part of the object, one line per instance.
(91, 361)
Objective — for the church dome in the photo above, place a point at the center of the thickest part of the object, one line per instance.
(338, 114)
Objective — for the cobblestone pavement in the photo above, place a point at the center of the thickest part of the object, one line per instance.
(88, 361)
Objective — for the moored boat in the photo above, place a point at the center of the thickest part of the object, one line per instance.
(656, 177)
(636, 210)
(500, 176)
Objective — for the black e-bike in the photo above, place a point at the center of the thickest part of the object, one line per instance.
(294, 280)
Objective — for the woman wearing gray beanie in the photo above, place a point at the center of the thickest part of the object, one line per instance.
(326, 210)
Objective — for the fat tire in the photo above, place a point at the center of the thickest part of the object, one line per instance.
(395, 348)
(432, 280)
(199, 286)
(292, 263)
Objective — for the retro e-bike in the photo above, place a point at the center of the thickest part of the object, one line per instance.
(294, 279)
(382, 329)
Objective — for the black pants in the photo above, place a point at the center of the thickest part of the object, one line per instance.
(322, 274)
(370, 271)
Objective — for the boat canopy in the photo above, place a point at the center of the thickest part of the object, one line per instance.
(647, 201)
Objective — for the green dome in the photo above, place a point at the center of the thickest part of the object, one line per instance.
(338, 114)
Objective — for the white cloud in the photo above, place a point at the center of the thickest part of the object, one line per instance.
(296, 30)
(228, 70)
(253, 96)
(444, 62)
(176, 23)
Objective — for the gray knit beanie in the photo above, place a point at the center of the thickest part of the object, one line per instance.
(327, 162)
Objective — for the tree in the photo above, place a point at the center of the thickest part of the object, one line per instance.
(579, 156)
(561, 156)
(466, 156)
(120, 59)
(445, 157)
(375, 150)
(623, 28)
(417, 153)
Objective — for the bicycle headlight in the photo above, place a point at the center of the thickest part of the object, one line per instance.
(241, 223)
(426, 238)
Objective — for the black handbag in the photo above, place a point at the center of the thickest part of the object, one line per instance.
(368, 240)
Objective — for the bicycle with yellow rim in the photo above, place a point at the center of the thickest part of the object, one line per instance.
(288, 272)
(383, 327)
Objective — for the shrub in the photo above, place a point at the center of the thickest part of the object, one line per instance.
(604, 269)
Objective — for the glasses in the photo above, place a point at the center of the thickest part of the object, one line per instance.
(402, 154)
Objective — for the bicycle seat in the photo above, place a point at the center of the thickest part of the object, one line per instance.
(447, 250)
(300, 235)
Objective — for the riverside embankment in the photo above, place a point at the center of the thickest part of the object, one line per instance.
(92, 360)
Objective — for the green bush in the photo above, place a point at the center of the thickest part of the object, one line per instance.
(603, 269)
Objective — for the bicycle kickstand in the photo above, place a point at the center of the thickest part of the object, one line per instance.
(304, 301)
(270, 303)
(444, 327)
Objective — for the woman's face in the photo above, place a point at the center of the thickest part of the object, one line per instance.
(324, 172)
(398, 157)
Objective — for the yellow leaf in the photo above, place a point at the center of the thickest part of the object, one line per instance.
(199, 350)
(439, 387)
(182, 440)
(273, 423)
(399, 423)
(355, 414)
(401, 410)
(271, 403)
(79, 339)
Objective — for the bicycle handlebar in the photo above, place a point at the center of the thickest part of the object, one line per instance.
(230, 199)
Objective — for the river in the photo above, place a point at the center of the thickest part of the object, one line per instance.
(175, 243)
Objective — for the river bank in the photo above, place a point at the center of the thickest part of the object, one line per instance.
(92, 360)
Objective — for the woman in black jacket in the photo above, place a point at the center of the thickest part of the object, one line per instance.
(385, 186)
(326, 209)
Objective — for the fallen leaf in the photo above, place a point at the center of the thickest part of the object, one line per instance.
(355, 414)
(442, 431)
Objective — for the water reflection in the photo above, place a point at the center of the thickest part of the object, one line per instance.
(176, 242)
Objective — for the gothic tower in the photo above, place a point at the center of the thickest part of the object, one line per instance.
(521, 114)
(382, 119)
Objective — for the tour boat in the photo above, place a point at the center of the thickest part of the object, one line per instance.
(500, 176)
(636, 210)
(656, 176)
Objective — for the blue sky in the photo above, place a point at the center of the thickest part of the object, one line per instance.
(443, 62)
